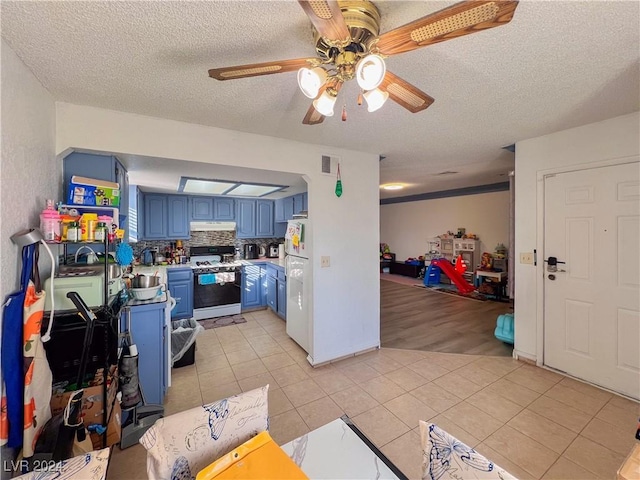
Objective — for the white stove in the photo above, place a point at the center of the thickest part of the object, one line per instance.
(217, 281)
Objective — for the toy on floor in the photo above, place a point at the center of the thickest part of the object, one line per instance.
(504, 328)
(447, 268)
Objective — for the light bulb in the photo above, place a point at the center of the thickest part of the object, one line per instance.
(310, 80)
(375, 99)
(324, 104)
(370, 72)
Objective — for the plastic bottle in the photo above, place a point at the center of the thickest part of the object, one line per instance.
(50, 223)
(87, 226)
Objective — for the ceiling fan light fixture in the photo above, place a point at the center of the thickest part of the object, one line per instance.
(370, 71)
(324, 104)
(310, 80)
(375, 99)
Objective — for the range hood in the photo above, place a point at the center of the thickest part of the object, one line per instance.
(212, 226)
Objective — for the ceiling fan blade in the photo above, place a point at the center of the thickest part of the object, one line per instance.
(256, 69)
(460, 19)
(327, 18)
(405, 94)
(313, 117)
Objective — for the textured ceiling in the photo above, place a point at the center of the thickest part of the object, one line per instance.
(556, 65)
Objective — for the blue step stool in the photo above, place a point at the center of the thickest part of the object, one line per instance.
(432, 276)
(504, 328)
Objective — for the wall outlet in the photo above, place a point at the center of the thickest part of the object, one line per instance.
(527, 258)
(325, 262)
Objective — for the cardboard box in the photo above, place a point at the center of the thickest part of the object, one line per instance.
(92, 406)
(114, 429)
(90, 191)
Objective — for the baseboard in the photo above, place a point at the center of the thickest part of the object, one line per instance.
(524, 357)
(342, 356)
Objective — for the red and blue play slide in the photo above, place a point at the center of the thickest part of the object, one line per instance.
(449, 270)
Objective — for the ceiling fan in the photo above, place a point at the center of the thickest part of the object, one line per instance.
(349, 45)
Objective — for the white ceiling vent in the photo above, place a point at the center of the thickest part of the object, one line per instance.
(329, 164)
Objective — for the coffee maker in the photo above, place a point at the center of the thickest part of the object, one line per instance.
(250, 251)
(273, 250)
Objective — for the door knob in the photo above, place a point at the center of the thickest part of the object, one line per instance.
(552, 265)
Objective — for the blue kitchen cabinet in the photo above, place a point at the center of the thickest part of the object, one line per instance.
(272, 293)
(149, 333)
(279, 211)
(282, 298)
(155, 216)
(201, 208)
(299, 203)
(180, 285)
(165, 217)
(288, 208)
(253, 286)
(178, 217)
(277, 289)
(245, 218)
(100, 167)
(224, 209)
(264, 218)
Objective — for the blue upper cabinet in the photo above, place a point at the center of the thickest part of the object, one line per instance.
(100, 167)
(279, 210)
(254, 218)
(165, 217)
(178, 216)
(264, 218)
(245, 218)
(286, 207)
(224, 209)
(212, 208)
(299, 203)
(155, 216)
(202, 208)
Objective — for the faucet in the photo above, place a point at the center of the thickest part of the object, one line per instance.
(91, 258)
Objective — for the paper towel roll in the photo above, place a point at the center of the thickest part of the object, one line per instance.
(281, 250)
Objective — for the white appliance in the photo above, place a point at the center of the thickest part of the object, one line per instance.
(299, 292)
(89, 287)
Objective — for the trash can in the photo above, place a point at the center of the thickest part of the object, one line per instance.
(183, 341)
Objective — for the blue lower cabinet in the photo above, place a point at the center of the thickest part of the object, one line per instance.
(180, 285)
(149, 334)
(253, 286)
(282, 299)
(272, 293)
(277, 290)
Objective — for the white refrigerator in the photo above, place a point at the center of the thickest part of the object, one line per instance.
(299, 292)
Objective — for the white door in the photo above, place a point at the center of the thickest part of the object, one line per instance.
(591, 304)
(298, 321)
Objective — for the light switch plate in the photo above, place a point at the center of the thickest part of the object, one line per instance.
(526, 258)
(325, 261)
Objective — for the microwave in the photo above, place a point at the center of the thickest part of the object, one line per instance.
(89, 287)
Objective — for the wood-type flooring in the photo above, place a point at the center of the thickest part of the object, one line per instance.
(420, 319)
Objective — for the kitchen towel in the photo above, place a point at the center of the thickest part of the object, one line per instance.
(225, 277)
(207, 279)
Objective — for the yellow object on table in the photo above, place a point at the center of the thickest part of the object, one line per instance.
(258, 458)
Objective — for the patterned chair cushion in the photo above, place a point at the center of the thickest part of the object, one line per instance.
(446, 457)
(180, 445)
(89, 466)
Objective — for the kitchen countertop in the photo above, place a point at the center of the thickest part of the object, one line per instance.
(274, 261)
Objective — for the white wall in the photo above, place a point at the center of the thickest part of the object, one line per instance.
(407, 226)
(346, 296)
(611, 139)
(29, 172)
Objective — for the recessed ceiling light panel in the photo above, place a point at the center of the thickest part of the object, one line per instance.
(392, 186)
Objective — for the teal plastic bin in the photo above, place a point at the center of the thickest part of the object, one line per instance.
(504, 328)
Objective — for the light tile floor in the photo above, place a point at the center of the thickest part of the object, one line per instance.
(533, 422)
